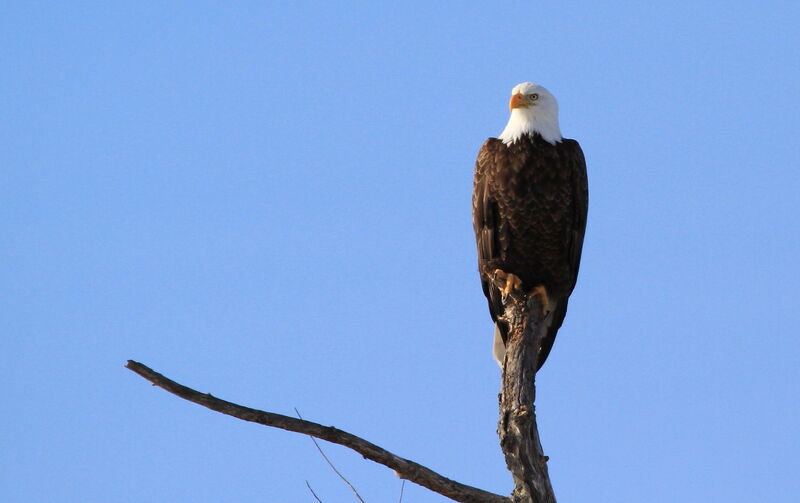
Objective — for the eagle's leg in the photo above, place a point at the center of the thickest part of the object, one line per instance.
(541, 291)
(512, 282)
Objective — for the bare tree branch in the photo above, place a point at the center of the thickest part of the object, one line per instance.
(404, 468)
(316, 444)
(312, 492)
(519, 435)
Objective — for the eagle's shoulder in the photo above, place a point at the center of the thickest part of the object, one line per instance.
(492, 143)
(491, 156)
(489, 150)
(571, 148)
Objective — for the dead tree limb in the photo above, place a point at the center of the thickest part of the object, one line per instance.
(404, 468)
(519, 435)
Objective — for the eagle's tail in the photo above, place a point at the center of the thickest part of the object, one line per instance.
(498, 346)
(549, 328)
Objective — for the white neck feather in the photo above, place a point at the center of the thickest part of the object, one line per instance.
(531, 120)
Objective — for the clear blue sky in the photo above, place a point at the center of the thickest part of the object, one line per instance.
(271, 202)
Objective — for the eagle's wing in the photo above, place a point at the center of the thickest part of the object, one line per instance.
(485, 221)
(580, 204)
(571, 156)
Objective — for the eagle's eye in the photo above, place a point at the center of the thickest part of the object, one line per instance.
(534, 97)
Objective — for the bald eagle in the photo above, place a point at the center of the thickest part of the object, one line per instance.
(529, 206)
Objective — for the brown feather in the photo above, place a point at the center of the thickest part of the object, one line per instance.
(529, 210)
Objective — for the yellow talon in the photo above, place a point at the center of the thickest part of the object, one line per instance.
(512, 282)
(541, 291)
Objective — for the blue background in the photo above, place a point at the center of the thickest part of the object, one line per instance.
(271, 202)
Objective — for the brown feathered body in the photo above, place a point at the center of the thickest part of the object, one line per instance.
(529, 210)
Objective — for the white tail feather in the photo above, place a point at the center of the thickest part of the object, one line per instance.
(499, 348)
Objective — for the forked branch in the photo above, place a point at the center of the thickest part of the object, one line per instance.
(519, 436)
(404, 468)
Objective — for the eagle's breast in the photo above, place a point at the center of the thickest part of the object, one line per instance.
(533, 191)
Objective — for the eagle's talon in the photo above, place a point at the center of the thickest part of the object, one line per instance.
(512, 282)
(541, 292)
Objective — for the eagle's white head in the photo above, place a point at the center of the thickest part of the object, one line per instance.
(533, 110)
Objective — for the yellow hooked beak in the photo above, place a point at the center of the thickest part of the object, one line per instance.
(518, 101)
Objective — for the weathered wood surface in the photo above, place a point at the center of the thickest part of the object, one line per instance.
(519, 434)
